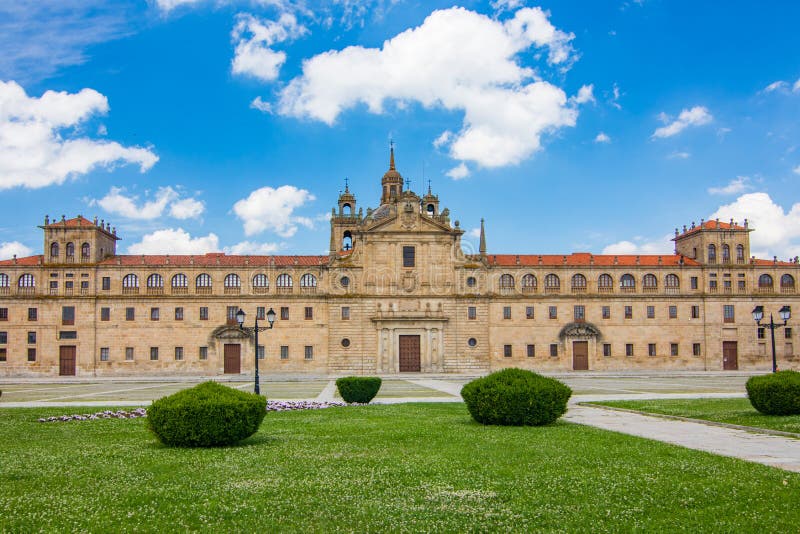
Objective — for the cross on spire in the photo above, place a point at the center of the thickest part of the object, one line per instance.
(346, 185)
(408, 183)
(391, 154)
(429, 186)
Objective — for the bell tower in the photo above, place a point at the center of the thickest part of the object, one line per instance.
(392, 182)
(344, 223)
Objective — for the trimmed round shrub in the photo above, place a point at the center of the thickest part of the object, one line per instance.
(361, 389)
(207, 415)
(775, 393)
(516, 397)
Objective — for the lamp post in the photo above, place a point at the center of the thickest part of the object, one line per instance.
(240, 315)
(785, 314)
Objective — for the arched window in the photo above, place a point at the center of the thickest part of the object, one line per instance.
(308, 280)
(27, 280)
(712, 253)
(552, 281)
(155, 281)
(70, 250)
(650, 281)
(506, 281)
(529, 281)
(726, 254)
(347, 240)
(130, 280)
(672, 281)
(765, 281)
(578, 281)
(260, 280)
(605, 281)
(627, 281)
(284, 280)
(739, 252)
(53, 249)
(3, 280)
(203, 280)
(180, 280)
(346, 209)
(85, 251)
(787, 281)
(233, 280)
(430, 209)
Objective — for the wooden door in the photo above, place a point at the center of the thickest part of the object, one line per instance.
(66, 360)
(580, 355)
(233, 358)
(409, 354)
(730, 356)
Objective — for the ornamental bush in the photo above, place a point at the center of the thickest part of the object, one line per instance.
(516, 397)
(361, 389)
(776, 393)
(206, 415)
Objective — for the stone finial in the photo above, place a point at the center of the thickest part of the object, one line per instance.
(482, 248)
(745, 224)
(692, 225)
(46, 220)
(95, 220)
(676, 232)
(775, 259)
(717, 221)
(63, 218)
(684, 228)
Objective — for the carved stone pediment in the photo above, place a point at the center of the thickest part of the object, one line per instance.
(229, 332)
(579, 330)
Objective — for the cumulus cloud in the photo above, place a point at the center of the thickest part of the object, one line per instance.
(783, 87)
(187, 208)
(459, 172)
(602, 138)
(696, 116)
(507, 108)
(740, 184)
(506, 5)
(260, 105)
(36, 149)
(174, 241)
(9, 249)
(641, 245)
(443, 139)
(169, 5)
(585, 94)
(250, 247)
(273, 209)
(119, 203)
(254, 38)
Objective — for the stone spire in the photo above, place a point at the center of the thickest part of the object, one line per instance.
(483, 241)
(392, 182)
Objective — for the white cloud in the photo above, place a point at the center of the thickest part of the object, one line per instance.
(697, 116)
(9, 249)
(459, 172)
(679, 155)
(777, 233)
(474, 233)
(36, 152)
(506, 5)
(272, 209)
(506, 106)
(443, 139)
(776, 86)
(250, 247)
(169, 5)
(118, 203)
(174, 241)
(602, 138)
(615, 96)
(740, 184)
(796, 170)
(260, 105)
(254, 37)
(640, 245)
(585, 94)
(187, 208)
(796, 86)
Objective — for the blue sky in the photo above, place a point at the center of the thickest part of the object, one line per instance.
(225, 125)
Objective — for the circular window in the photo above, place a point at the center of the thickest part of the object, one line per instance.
(472, 342)
(345, 342)
(471, 281)
(345, 281)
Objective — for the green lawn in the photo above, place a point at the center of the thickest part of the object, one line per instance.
(411, 467)
(732, 411)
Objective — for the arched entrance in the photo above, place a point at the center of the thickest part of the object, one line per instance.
(580, 340)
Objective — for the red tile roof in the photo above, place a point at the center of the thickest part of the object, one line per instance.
(217, 258)
(585, 259)
(26, 261)
(712, 225)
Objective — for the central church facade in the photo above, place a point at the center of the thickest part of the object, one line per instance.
(395, 294)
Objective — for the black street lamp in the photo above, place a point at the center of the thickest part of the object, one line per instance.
(785, 313)
(240, 315)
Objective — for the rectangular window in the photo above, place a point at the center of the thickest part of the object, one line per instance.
(85, 284)
(787, 332)
(3, 354)
(345, 313)
(179, 313)
(727, 285)
(68, 284)
(31, 338)
(260, 352)
(309, 352)
(203, 353)
(651, 312)
(104, 354)
(741, 285)
(3, 314)
(673, 312)
(68, 315)
(673, 349)
(472, 313)
(712, 285)
(261, 314)
(106, 283)
(651, 349)
(3, 338)
(203, 313)
(728, 313)
(408, 256)
(606, 312)
(629, 312)
(507, 351)
(178, 353)
(153, 353)
(607, 349)
(506, 312)
(693, 282)
(284, 313)
(105, 314)
(695, 349)
(761, 332)
(308, 313)
(53, 287)
(531, 351)
(629, 349)
(230, 314)
(154, 314)
(32, 354)
(554, 350)
(68, 334)
(33, 314)
(553, 311)
(579, 312)
(284, 352)
(695, 312)
(129, 354)
(529, 312)
(130, 314)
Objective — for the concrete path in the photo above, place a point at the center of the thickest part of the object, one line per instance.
(328, 393)
(440, 385)
(775, 451)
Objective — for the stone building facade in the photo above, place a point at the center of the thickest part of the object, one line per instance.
(395, 294)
